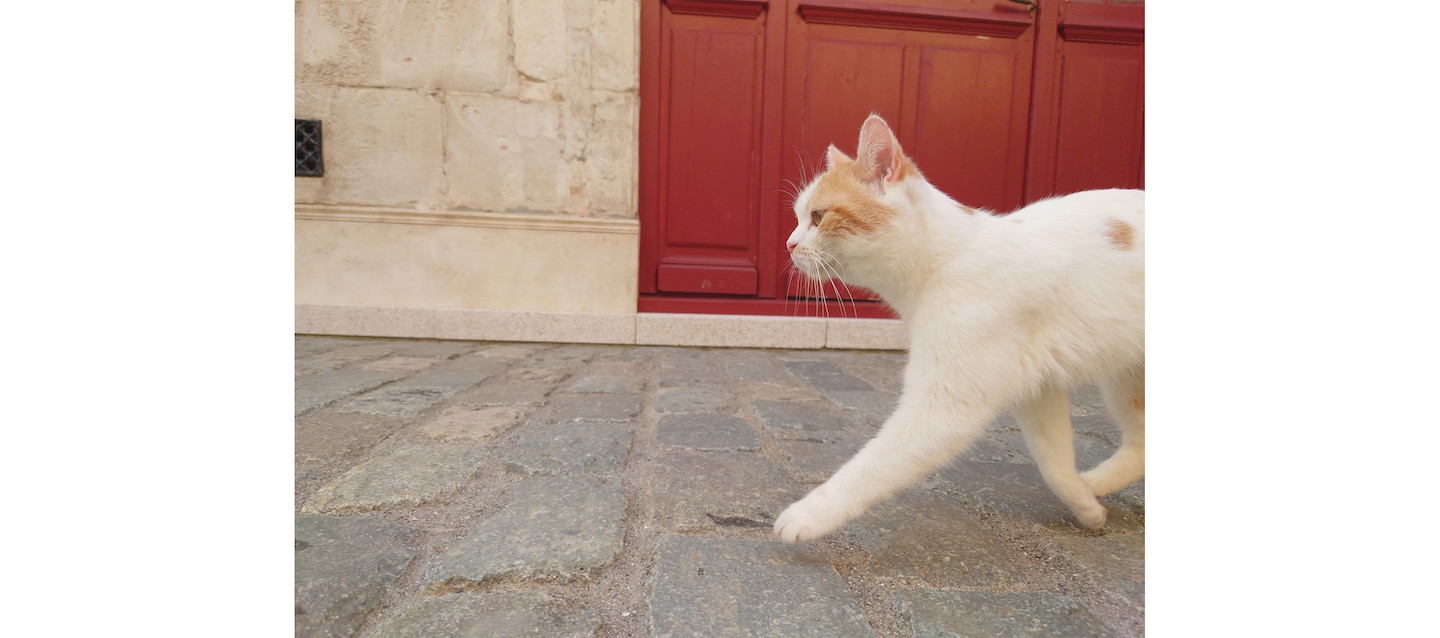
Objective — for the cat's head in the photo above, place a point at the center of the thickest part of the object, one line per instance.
(844, 215)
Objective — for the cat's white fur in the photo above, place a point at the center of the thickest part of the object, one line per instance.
(1004, 313)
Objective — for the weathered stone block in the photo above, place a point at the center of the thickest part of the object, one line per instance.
(504, 154)
(694, 399)
(931, 537)
(752, 365)
(342, 567)
(692, 487)
(816, 458)
(471, 423)
(1017, 494)
(539, 33)
(802, 419)
(871, 408)
(984, 613)
(591, 407)
(326, 436)
(448, 44)
(826, 376)
(611, 154)
(555, 528)
(413, 474)
(614, 64)
(400, 364)
(396, 400)
(570, 447)
(504, 393)
(606, 384)
(1114, 562)
(725, 587)
(494, 614)
(316, 390)
(383, 147)
(706, 433)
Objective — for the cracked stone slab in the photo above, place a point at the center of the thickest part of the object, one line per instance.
(986, 613)
(562, 528)
(932, 537)
(342, 567)
(409, 475)
(570, 447)
(706, 432)
(732, 587)
(494, 614)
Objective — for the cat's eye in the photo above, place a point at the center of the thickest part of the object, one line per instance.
(816, 216)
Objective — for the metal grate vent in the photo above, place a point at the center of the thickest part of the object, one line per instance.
(308, 162)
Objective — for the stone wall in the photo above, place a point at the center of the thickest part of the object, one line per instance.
(488, 105)
(461, 139)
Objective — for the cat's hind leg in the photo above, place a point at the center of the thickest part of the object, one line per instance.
(1125, 399)
(1045, 423)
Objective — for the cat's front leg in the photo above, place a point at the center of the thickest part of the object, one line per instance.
(906, 449)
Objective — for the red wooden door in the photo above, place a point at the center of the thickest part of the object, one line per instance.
(739, 99)
(1088, 129)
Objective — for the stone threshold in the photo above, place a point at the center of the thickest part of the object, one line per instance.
(648, 329)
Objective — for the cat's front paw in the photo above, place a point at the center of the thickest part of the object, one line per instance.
(1091, 517)
(809, 518)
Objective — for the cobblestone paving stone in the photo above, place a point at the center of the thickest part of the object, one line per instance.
(448, 488)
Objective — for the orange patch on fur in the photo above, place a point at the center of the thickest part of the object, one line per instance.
(968, 210)
(1139, 403)
(849, 205)
(1121, 234)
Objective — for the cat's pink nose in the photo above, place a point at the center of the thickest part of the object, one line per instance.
(790, 244)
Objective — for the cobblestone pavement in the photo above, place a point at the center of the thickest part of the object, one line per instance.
(480, 489)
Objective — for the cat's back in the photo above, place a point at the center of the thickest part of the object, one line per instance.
(1107, 224)
(1077, 209)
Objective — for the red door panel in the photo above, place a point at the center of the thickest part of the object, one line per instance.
(708, 191)
(1088, 130)
(1102, 121)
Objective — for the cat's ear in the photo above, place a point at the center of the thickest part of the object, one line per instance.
(879, 152)
(833, 158)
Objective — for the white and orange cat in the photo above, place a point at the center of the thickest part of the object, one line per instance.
(1004, 313)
